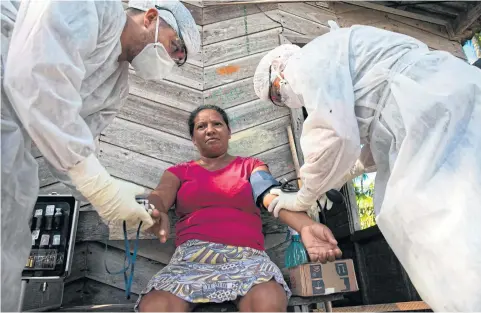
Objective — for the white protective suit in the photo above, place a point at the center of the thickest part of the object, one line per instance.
(419, 113)
(61, 86)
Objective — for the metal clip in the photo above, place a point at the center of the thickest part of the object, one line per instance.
(145, 203)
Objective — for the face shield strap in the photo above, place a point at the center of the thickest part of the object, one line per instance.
(157, 30)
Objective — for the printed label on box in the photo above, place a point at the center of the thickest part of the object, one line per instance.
(318, 287)
(316, 271)
(347, 284)
(341, 269)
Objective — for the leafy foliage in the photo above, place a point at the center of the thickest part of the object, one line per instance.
(365, 203)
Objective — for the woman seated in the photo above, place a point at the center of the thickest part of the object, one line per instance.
(220, 245)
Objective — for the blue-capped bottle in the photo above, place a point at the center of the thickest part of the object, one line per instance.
(296, 253)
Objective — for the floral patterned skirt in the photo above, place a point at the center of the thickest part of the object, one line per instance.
(201, 272)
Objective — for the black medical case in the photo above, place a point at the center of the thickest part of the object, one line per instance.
(54, 225)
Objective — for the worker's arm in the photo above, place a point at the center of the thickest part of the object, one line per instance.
(330, 137)
(53, 44)
(364, 164)
(295, 220)
(45, 71)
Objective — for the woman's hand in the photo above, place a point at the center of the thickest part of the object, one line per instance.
(161, 227)
(320, 243)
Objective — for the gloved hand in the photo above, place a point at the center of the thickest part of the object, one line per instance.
(287, 201)
(113, 199)
(325, 202)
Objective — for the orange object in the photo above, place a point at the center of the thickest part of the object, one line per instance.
(227, 70)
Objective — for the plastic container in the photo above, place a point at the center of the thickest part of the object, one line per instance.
(296, 253)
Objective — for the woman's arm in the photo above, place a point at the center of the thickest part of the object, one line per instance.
(163, 197)
(317, 238)
(295, 220)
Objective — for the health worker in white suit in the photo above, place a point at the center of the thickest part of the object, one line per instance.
(417, 114)
(65, 67)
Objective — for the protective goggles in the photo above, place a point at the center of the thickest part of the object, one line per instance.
(275, 89)
(176, 45)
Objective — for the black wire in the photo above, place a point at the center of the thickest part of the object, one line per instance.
(282, 26)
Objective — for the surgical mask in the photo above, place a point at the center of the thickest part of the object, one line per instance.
(153, 62)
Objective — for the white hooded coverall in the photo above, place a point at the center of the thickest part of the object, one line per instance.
(419, 111)
(62, 85)
(79, 75)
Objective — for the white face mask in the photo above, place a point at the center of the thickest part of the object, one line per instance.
(153, 62)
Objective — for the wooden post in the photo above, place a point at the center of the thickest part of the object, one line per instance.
(292, 144)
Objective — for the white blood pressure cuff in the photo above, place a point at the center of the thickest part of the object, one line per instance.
(262, 182)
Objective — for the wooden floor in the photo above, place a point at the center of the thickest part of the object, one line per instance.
(224, 307)
(388, 307)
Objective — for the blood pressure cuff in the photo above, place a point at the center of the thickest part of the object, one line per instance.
(262, 182)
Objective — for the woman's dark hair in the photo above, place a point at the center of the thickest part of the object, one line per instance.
(194, 114)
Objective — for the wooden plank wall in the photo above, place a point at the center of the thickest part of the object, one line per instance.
(310, 19)
(150, 134)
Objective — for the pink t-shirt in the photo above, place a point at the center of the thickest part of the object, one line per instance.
(218, 206)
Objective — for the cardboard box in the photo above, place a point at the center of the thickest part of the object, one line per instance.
(316, 279)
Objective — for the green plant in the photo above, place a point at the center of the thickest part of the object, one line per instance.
(365, 203)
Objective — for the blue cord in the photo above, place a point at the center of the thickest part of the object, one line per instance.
(129, 258)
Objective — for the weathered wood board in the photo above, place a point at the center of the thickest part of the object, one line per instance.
(187, 75)
(231, 94)
(155, 115)
(151, 142)
(167, 93)
(309, 12)
(213, 14)
(129, 165)
(228, 72)
(144, 268)
(434, 42)
(239, 47)
(237, 27)
(301, 25)
(253, 113)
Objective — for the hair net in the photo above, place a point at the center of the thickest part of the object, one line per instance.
(261, 76)
(179, 19)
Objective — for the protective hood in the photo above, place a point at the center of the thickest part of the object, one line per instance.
(179, 18)
(279, 55)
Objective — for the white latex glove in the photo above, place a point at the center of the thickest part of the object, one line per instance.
(287, 201)
(113, 199)
(324, 200)
(313, 212)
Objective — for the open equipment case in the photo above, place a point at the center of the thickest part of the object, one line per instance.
(54, 226)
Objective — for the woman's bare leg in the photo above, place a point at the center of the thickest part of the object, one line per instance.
(163, 301)
(264, 297)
